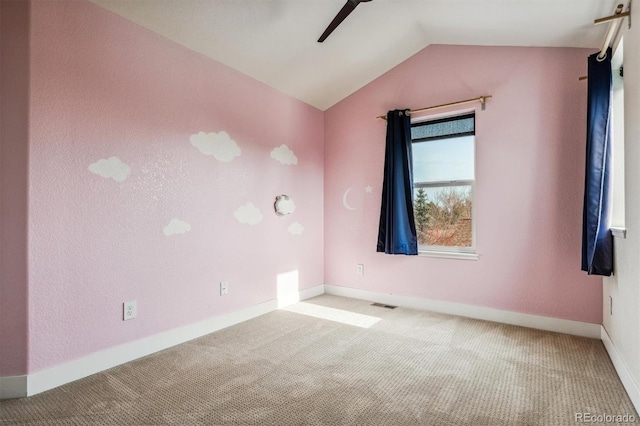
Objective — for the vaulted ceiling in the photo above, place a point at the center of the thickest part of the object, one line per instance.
(275, 41)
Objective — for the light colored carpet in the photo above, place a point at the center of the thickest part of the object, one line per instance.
(288, 368)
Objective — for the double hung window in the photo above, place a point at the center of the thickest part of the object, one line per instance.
(443, 179)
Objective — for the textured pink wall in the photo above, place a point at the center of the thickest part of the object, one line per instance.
(14, 152)
(101, 87)
(529, 181)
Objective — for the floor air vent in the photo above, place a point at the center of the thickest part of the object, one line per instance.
(382, 305)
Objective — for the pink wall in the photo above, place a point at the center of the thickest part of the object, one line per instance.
(102, 86)
(14, 152)
(529, 181)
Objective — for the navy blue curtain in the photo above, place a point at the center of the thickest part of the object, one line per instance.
(397, 230)
(597, 242)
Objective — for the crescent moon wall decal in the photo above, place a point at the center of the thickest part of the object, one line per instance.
(345, 202)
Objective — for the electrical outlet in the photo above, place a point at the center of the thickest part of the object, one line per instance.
(610, 305)
(130, 310)
(224, 288)
(360, 269)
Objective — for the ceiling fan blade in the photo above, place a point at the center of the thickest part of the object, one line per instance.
(344, 12)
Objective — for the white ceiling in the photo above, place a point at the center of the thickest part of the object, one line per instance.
(274, 41)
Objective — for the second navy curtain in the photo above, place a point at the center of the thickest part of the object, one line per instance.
(597, 242)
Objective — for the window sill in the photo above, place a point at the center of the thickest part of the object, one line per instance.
(449, 255)
(619, 232)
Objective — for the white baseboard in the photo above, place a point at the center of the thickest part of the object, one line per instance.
(630, 385)
(576, 328)
(312, 292)
(13, 387)
(40, 381)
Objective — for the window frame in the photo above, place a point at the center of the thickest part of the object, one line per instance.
(618, 214)
(446, 251)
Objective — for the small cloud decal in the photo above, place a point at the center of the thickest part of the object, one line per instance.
(111, 168)
(176, 226)
(248, 214)
(220, 145)
(284, 205)
(296, 228)
(284, 155)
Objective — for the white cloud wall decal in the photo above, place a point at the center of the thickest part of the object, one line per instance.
(176, 226)
(111, 168)
(248, 213)
(296, 228)
(284, 155)
(220, 145)
(285, 205)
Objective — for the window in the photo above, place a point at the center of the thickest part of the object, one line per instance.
(443, 180)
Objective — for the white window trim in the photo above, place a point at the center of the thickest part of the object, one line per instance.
(449, 254)
(618, 232)
(618, 147)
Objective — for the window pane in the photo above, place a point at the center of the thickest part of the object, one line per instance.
(444, 160)
(443, 216)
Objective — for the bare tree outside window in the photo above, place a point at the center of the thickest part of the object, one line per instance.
(444, 219)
